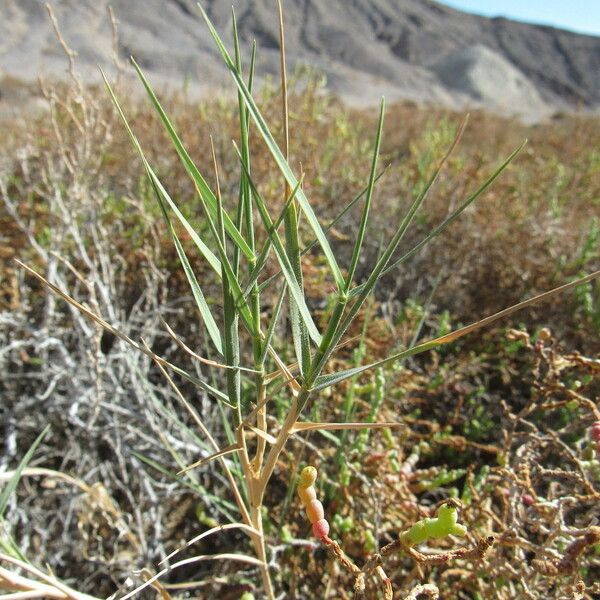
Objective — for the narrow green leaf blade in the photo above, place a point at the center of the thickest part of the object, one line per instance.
(191, 168)
(308, 247)
(326, 381)
(382, 262)
(284, 262)
(456, 213)
(267, 245)
(240, 301)
(207, 317)
(277, 154)
(365, 213)
(12, 483)
(213, 261)
(163, 196)
(272, 325)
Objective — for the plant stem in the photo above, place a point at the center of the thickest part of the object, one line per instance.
(327, 345)
(256, 499)
(261, 421)
(282, 437)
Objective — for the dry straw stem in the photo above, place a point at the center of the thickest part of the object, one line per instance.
(49, 474)
(157, 585)
(43, 586)
(242, 558)
(205, 534)
(232, 482)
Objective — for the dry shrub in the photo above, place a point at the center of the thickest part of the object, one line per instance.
(528, 483)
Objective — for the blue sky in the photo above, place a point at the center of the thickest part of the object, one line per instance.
(577, 15)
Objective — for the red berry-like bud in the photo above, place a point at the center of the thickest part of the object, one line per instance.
(527, 499)
(320, 528)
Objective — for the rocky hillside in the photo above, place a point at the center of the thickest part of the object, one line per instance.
(405, 49)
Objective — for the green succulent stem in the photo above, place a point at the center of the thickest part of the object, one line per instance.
(445, 523)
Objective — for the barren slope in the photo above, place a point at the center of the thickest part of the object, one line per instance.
(413, 49)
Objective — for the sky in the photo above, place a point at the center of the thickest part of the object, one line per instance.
(577, 15)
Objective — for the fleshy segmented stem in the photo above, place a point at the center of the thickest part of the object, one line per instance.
(443, 524)
(314, 508)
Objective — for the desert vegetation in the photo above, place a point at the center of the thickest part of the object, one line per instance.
(239, 370)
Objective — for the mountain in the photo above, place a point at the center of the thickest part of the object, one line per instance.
(406, 49)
